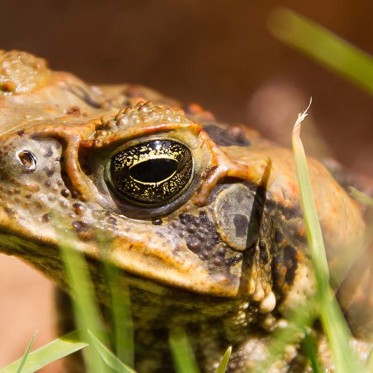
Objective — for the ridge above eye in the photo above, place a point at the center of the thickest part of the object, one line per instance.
(151, 173)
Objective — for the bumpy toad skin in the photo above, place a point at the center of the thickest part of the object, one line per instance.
(225, 256)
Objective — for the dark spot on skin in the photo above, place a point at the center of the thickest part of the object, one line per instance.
(291, 263)
(49, 171)
(284, 266)
(20, 133)
(217, 261)
(28, 160)
(232, 135)
(279, 237)
(75, 193)
(47, 183)
(9, 210)
(194, 244)
(65, 192)
(240, 223)
(157, 221)
(8, 86)
(287, 255)
(45, 218)
(48, 153)
(78, 208)
(74, 110)
(263, 253)
(262, 245)
(79, 225)
(83, 229)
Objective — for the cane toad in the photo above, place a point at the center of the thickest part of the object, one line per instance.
(202, 219)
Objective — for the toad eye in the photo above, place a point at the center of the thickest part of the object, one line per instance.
(151, 173)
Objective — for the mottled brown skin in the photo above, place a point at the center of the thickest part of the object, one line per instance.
(226, 258)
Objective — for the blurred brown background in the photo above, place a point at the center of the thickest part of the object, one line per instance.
(217, 53)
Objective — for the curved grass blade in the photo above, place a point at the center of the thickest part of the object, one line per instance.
(57, 349)
(121, 315)
(86, 309)
(361, 197)
(331, 317)
(323, 46)
(182, 352)
(25, 355)
(311, 352)
(108, 357)
(224, 361)
(122, 318)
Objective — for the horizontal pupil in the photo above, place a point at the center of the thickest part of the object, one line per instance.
(153, 170)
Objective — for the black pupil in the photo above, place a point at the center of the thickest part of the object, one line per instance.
(153, 170)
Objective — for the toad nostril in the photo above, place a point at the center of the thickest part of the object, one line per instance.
(27, 159)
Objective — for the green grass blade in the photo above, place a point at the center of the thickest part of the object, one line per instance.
(323, 46)
(311, 352)
(361, 197)
(108, 357)
(182, 352)
(25, 355)
(224, 361)
(123, 322)
(121, 315)
(313, 228)
(331, 316)
(86, 310)
(57, 349)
